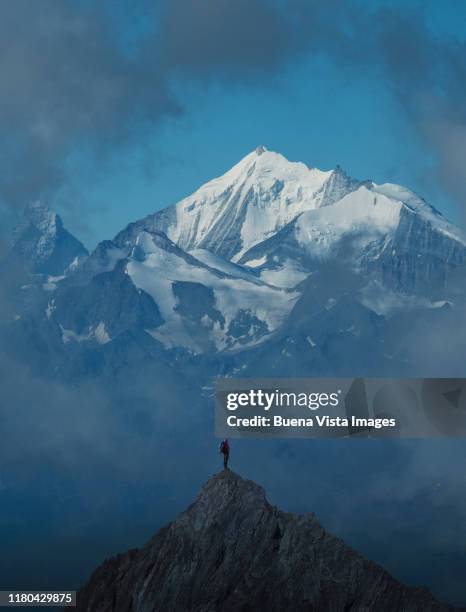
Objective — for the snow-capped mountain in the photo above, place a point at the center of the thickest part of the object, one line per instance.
(42, 243)
(283, 219)
(255, 266)
(251, 202)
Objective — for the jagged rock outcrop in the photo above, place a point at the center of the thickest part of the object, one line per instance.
(232, 550)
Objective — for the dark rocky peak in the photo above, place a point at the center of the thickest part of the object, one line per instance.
(337, 186)
(42, 244)
(260, 149)
(232, 550)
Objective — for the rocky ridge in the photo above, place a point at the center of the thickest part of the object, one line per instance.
(232, 550)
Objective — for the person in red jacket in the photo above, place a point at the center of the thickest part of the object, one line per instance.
(225, 451)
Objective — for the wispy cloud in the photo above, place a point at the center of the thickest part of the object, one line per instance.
(69, 80)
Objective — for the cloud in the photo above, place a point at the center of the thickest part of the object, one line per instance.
(425, 73)
(71, 79)
(249, 42)
(67, 80)
(223, 37)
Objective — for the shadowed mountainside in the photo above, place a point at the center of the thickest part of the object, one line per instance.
(232, 550)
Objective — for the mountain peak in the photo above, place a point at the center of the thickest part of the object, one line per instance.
(263, 198)
(40, 216)
(42, 243)
(339, 170)
(232, 550)
(222, 488)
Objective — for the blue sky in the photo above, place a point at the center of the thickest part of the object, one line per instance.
(309, 112)
(309, 90)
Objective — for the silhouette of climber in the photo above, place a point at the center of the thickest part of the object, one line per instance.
(225, 451)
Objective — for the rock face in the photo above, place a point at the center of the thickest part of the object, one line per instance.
(232, 550)
(110, 306)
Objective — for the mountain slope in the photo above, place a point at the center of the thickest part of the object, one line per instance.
(203, 307)
(108, 306)
(408, 249)
(178, 299)
(232, 550)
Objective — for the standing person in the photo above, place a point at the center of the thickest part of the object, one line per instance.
(225, 451)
